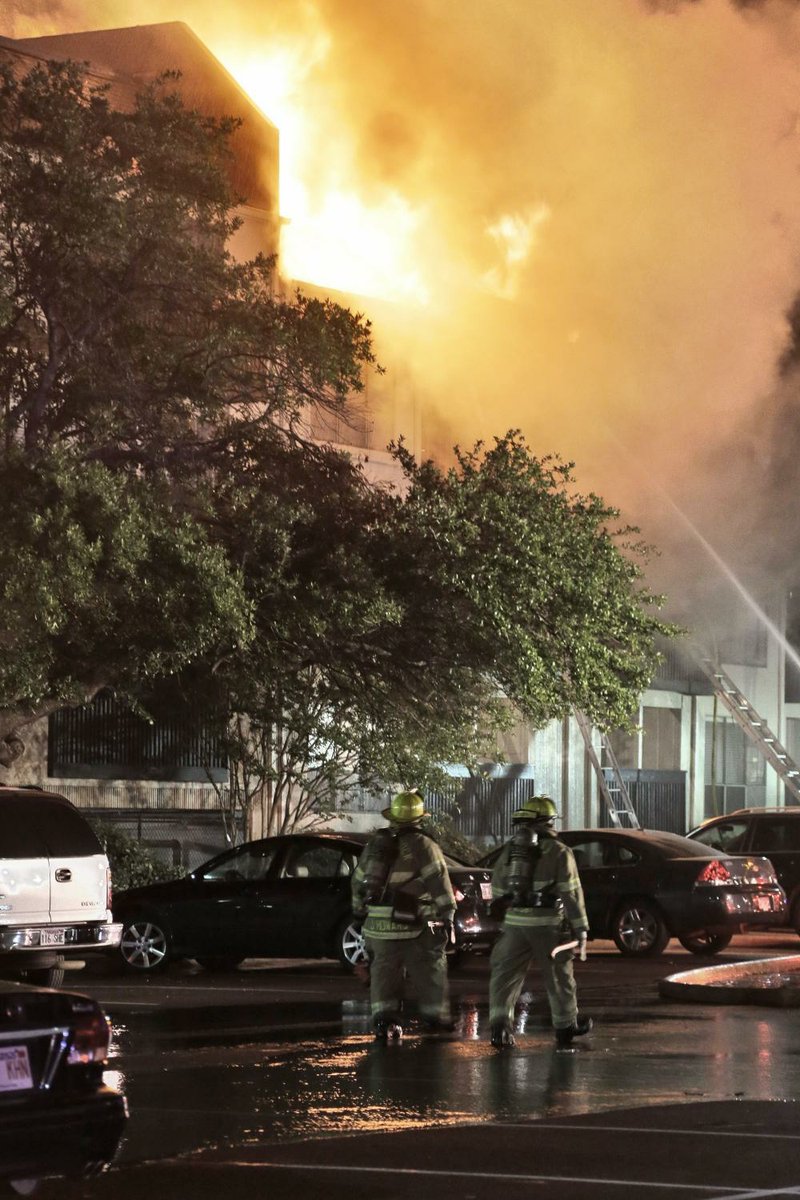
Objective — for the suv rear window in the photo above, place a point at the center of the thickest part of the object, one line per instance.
(33, 827)
(776, 833)
(728, 836)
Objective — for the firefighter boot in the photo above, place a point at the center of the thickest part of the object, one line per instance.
(564, 1037)
(502, 1035)
(387, 1030)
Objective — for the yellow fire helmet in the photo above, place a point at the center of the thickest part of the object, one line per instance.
(405, 807)
(536, 808)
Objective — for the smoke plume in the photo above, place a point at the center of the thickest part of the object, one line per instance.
(598, 211)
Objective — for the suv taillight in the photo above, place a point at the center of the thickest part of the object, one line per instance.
(714, 872)
(90, 1038)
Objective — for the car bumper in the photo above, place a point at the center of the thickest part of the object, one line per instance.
(727, 911)
(61, 1137)
(26, 939)
(475, 931)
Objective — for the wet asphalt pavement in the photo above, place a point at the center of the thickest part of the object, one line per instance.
(267, 1082)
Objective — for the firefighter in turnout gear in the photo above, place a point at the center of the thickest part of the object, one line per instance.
(536, 876)
(402, 890)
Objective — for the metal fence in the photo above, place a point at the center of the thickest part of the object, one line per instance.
(658, 798)
(481, 808)
(106, 740)
(182, 839)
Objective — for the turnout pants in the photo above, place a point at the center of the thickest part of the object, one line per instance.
(517, 948)
(422, 960)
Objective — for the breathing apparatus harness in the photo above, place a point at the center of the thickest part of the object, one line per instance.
(385, 849)
(383, 854)
(524, 854)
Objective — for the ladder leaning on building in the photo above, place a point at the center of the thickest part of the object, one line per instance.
(610, 783)
(752, 723)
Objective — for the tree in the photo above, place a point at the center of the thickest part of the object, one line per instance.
(136, 358)
(542, 584)
(393, 629)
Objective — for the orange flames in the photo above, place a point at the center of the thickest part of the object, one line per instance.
(357, 237)
(332, 236)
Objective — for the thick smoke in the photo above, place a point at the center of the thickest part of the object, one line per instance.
(607, 222)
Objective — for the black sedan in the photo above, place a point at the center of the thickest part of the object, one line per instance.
(56, 1115)
(642, 888)
(281, 897)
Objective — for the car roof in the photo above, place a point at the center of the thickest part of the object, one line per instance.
(330, 835)
(775, 810)
(672, 844)
(347, 839)
(31, 792)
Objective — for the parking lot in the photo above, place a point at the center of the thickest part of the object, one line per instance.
(267, 1081)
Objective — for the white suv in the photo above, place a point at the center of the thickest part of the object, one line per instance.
(55, 886)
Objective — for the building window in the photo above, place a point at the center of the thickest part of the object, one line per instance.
(106, 740)
(625, 747)
(656, 747)
(735, 771)
(661, 739)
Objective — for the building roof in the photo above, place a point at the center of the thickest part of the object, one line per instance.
(135, 55)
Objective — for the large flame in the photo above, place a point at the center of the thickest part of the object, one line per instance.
(343, 231)
(333, 236)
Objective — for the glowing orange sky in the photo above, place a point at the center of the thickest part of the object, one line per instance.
(588, 212)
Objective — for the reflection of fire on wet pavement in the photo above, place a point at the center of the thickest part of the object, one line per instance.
(772, 981)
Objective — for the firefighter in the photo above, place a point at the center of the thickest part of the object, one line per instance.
(536, 877)
(402, 890)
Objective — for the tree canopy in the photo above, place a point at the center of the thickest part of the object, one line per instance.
(136, 360)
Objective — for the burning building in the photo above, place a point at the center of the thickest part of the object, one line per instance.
(691, 757)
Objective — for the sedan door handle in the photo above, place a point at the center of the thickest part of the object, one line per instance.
(63, 875)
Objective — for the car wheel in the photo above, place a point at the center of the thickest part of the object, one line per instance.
(20, 1187)
(50, 977)
(145, 944)
(219, 962)
(350, 948)
(706, 943)
(638, 929)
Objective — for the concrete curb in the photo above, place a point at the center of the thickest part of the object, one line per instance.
(774, 982)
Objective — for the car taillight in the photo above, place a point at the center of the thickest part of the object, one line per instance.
(714, 872)
(90, 1038)
(459, 895)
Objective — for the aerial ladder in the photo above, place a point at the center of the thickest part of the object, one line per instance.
(752, 723)
(610, 783)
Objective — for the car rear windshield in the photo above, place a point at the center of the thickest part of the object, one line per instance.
(32, 827)
(675, 846)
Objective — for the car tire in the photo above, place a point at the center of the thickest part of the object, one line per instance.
(49, 977)
(350, 948)
(219, 962)
(19, 1187)
(638, 929)
(706, 943)
(145, 946)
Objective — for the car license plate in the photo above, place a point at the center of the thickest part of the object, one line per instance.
(764, 903)
(52, 937)
(486, 891)
(15, 1069)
